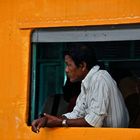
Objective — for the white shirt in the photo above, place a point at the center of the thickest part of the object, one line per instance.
(100, 101)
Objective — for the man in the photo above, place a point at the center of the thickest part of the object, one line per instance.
(100, 103)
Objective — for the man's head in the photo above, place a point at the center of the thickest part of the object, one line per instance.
(79, 59)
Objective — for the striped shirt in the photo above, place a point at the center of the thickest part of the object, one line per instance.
(100, 101)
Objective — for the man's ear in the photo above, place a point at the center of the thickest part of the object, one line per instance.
(83, 66)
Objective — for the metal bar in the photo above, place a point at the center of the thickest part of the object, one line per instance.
(33, 84)
(86, 35)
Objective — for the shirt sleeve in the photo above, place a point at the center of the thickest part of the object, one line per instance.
(79, 109)
(99, 102)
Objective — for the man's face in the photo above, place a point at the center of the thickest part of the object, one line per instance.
(73, 72)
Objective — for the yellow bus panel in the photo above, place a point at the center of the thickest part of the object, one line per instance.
(18, 18)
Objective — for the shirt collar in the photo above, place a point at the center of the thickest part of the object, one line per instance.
(88, 77)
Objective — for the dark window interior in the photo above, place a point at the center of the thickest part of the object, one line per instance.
(120, 58)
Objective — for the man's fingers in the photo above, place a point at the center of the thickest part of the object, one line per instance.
(34, 129)
(37, 131)
(35, 126)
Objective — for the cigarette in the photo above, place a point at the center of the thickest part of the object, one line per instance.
(37, 131)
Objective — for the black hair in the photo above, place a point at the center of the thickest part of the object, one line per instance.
(81, 52)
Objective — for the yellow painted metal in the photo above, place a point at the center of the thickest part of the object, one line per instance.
(18, 18)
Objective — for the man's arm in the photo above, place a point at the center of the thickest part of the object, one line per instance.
(53, 121)
(80, 122)
(57, 122)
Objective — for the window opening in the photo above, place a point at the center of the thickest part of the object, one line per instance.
(120, 57)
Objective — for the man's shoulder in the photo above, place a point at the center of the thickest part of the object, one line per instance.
(101, 72)
(100, 75)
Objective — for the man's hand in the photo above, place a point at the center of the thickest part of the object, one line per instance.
(38, 123)
(46, 121)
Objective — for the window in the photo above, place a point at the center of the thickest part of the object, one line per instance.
(117, 50)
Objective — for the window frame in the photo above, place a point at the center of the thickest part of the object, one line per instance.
(77, 34)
